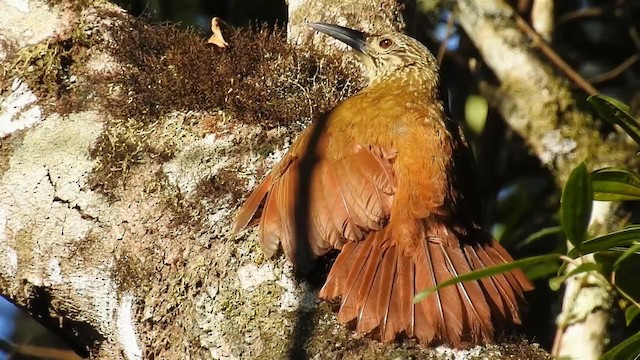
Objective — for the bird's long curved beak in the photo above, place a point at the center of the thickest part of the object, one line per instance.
(353, 38)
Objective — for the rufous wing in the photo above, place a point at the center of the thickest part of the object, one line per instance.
(320, 203)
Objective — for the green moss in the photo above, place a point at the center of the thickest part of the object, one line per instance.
(74, 5)
(47, 68)
(24, 244)
(260, 79)
(184, 211)
(252, 310)
(122, 145)
(133, 272)
(7, 146)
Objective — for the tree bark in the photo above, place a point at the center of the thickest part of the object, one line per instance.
(143, 266)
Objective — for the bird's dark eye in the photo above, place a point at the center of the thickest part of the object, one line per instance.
(385, 43)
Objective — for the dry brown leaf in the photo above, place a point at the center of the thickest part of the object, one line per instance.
(217, 39)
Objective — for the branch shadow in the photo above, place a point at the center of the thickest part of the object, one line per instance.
(305, 258)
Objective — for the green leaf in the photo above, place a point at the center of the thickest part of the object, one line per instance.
(627, 349)
(630, 313)
(556, 282)
(576, 203)
(625, 237)
(476, 109)
(615, 184)
(539, 235)
(486, 272)
(542, 271)
(611, 101)
(617, 113)
(626, 255)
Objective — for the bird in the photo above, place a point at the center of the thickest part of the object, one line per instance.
(386, 179)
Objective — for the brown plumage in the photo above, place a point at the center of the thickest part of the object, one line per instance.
(384, 178)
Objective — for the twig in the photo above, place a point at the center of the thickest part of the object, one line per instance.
(626, 296)
(523, 6)
(19, 351)
(554, 57)
(635, 37)
(443, 44)
(615, 71)
(578, 14)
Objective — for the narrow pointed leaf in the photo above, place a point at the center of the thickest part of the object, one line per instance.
(616, 113)
(542, 270)
(635, 249)
(556, 282)
(539, 235)
(486, 272)
(625, 237)
(576, 203)
(615, 184)
(627, 349)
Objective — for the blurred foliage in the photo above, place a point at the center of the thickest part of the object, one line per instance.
(616, 255)
(599, 39)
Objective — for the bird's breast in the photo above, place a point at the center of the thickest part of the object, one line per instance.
(414, 127)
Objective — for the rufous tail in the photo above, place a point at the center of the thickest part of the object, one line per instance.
(377, 282)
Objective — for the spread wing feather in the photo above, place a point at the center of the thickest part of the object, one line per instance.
(349, 196)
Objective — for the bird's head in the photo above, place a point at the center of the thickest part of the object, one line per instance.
(387, 55)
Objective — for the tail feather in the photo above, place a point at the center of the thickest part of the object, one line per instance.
(379, 294)
(507, 293)
(433, 306)
(475, 306)
(499, 308)
(425, 330)
(452, 310)
(517, 274)
(425, 326)
(404, 289)
(517, 287)
(393, 319)
(367, 278)
(378, 280)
